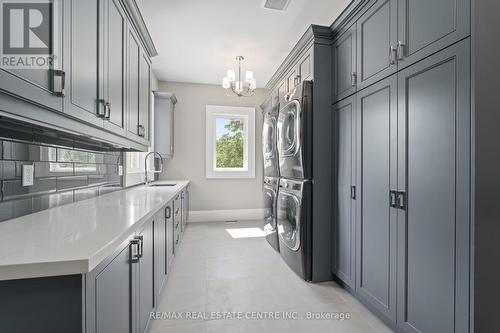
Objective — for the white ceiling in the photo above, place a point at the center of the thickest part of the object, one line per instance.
(198, 40)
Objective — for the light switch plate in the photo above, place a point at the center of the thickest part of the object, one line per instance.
(28, 174)
(120, 170)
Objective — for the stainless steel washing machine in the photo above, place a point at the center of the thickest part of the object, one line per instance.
(271, 185)
(294, 225)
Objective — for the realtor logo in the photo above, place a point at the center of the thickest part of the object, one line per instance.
(27, 34)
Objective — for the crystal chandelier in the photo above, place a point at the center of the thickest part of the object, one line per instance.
(235, 84)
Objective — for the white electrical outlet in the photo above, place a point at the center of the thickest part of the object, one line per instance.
(28, 174)
(120, 170)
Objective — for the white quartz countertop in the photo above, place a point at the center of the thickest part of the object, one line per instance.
(75, 238)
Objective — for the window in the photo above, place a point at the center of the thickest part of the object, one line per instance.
(230, 142)
(135, 162)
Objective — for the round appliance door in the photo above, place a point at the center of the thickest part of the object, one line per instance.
(269, 210)
(269, 137)
(289, 129)
(288, 219)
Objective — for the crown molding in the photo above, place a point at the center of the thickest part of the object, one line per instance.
(166, 95)
(140, 26)
(315, 34)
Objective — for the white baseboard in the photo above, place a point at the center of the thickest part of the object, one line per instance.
(225, 215)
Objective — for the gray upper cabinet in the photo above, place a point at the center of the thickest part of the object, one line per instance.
(291, 80)
(133, 55)
(144, 95)
(164, 123)
(377, 43)
(282, 91)
(82, 57)
(139, 90)
(146, 277)
(304, 66)
(434, 172)
(344, 64)
(113, 67)
(377, 177)
(44, 86)
(427, 26)
(344, 230)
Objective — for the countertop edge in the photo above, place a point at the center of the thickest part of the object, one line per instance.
(83, 266)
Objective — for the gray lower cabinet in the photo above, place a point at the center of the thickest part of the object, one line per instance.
(146, 276)
(434, 179)
(376, 43)
(112, 288)
(427, 26)
(344, 64)
(344, 229)
(377, 175)
(169, 225)
(83, 55)
(161, 235)
(41, 86)
(177, 221)
(185, 208)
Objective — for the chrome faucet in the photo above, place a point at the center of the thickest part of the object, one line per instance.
(146, 181)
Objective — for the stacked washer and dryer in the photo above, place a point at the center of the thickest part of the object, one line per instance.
(287, 149)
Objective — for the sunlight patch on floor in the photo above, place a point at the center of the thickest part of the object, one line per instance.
(246, 232)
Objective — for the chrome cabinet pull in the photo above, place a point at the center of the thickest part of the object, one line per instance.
(353, 79)
(392, 199)
(169, 210)
(101, 111)
(134, 256)
(393, 54)
(140, 239)
(401, 50)
(401, 200)
(353, 192)
(107, 110)
(141, 130)
(54, 74)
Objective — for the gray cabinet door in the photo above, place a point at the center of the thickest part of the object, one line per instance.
(291, 79)
(344, 64)
(344, 230)
(282, 91)
(305, 65)
(169, 225)
(114, 66)
(83, 50)
(434, 156)
(185, 208)
(427, 26)
(37, 85)
(377, 42)
(144, 94)
(133, 55)
(145, 281)
(376, 177)
(177, 221)
(160, 251)
(113, 296)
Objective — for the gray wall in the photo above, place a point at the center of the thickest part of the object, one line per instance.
(189, 155)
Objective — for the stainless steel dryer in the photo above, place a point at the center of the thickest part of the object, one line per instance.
(295, 133)
(271, 186)
(295, 225)
(270, 152)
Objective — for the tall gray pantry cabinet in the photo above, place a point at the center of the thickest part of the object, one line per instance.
(413, 232)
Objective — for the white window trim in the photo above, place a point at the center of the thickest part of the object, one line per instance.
(214, 111)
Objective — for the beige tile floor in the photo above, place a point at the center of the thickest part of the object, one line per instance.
(214, 272)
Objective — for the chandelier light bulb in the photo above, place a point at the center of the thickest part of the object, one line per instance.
(226, 84)
(231, 75)
(249, 76)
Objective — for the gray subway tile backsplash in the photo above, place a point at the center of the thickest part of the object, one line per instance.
(62, 175)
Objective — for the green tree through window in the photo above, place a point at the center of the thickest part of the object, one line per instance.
(229, 143)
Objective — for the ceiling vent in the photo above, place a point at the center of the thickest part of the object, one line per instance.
(276, 4)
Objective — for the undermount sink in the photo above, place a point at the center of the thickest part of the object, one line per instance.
(162, 184)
